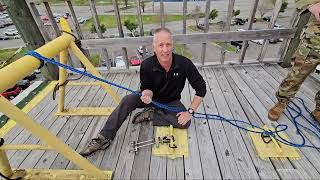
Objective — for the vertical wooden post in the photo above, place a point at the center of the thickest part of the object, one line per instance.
(206, 28)
(141, 26)
(184, 24)
(124, 50)
(302, 20)
(275, 14)
(37, 18)
(162, 13)
(251, 20)
(51, 18)
(226, 27)
(96, 22)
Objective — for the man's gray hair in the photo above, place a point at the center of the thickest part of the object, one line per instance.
(162, 29)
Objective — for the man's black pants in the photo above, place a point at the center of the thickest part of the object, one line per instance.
(129, 103)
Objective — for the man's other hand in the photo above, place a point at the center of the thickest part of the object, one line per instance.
(146, 96)
(315, 10)
(184, 117)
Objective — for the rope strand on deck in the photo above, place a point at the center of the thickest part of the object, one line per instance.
(275, 134)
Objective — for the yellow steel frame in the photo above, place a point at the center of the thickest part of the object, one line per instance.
(21, 68)
(83, 111)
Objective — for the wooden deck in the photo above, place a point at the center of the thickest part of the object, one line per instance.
(216, 150)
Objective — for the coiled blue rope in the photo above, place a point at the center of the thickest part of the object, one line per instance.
(292, 108)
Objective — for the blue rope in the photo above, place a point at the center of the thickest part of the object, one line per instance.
(292, 108)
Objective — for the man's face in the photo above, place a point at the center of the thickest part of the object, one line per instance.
(162, 46)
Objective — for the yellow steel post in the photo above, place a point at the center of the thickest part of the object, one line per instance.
(27, 64)
(5, 167)
(44, 135)
(62, 79)
(77, 52)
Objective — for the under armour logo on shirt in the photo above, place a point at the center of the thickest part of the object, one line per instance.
(175, 74)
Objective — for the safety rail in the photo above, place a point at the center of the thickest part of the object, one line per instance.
(203, 38)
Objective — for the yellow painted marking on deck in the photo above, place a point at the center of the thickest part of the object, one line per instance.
(36, 100)
(86, 111)
(181, 141)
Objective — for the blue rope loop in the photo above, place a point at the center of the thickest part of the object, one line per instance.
(291, 108)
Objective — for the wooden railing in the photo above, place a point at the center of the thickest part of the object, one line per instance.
(203, 38)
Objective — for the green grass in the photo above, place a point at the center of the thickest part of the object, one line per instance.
(25, 101)
(193, 28)
(95, 59)
(179, 47)
(5, 54)
(226, 46)
(110, 22)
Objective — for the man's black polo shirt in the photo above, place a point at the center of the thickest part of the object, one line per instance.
(167, 86)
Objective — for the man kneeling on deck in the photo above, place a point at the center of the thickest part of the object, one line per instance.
(162, 79)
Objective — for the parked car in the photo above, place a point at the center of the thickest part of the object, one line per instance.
(11, 32)
(254, 20)
(278, 26)
(44, 18)
(4, 37)
(23, 84)
(12, 92)
(267, 18)
(238, 44)
(238, 21)
(134, 61)
(81, 20)
(120, 61)
(258, 41)
(140, 50)
(201, 26)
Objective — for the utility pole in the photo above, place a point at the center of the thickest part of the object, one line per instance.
(22, 18)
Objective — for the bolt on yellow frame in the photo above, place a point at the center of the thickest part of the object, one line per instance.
(23, 67)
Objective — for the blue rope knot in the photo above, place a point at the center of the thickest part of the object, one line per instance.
(275, 134)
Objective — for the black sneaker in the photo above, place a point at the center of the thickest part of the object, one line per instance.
(99, 143)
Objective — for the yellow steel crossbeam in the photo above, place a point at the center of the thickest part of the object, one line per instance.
(38, 98)
(44, 135)
(86, 111)
(84, 60)
(56, 174)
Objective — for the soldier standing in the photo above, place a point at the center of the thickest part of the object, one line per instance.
(307, 57)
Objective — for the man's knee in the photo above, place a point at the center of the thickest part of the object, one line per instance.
(130, 99)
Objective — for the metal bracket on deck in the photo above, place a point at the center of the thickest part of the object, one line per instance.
(155, 141)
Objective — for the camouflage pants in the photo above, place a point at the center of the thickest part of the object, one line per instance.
(307, 57)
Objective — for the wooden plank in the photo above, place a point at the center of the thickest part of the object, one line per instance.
(226, 27)
(292, 174)
(206, 24)
(196, 38)
(227, 165)
(250, 23)
(162, 13)
(36, 17)
(241, 154)
(51, 18)
(109, 158)
(60, 162)
(271, 24)
(264, 168)
(265, 100)
(202, 162)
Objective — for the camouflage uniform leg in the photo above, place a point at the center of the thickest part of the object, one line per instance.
(299, 72)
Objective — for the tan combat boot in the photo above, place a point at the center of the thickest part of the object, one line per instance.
(276, 111)
(316, 113)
